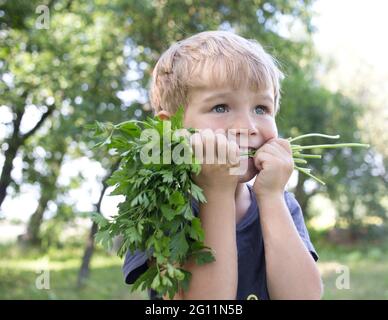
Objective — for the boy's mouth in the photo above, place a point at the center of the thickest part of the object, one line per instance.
(250, 151)
(247, 148)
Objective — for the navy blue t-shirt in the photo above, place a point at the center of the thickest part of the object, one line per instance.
(250, 248)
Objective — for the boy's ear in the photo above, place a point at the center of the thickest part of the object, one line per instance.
(163, 115)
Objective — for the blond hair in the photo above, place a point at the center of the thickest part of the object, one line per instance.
(226, 58)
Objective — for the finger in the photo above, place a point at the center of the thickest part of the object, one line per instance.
(197, 146)
(279, 156)
(274, 150)
(222, 148)
(261, 159)
(285, 144)
(284, 147)
(233, 153)
(279, 153)
(209, 142)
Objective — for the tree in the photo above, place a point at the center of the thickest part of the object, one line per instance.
(70, 80)
(47, 180)
(354, 180)
(89, 248)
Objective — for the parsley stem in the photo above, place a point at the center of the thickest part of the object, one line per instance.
(313, 135)
(305, 171)
(329, 146)
(298, 160)
(307, 156)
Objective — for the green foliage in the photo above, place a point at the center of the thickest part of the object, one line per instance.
(156, 216)
(20, 267)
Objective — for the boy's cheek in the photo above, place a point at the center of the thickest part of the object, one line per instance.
(268, 130)
(273, 131)
(269, 137)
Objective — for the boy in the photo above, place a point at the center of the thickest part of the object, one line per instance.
(261, 244)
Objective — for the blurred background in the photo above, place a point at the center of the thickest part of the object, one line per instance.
(66, 63)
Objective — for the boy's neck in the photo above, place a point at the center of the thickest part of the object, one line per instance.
(243, 201)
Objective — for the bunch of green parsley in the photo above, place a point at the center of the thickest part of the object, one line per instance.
(156, 216)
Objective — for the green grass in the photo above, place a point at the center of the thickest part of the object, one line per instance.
(367, 266)
(19, 270)
(367, 263)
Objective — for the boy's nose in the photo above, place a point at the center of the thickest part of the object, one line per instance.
(244, 125)
(243, 130)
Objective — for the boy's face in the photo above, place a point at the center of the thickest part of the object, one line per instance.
(249, 115)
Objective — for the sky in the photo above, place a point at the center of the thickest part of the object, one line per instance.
(352, 32)
(357, 25)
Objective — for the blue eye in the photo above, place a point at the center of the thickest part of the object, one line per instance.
(219, 108)
(262, 109)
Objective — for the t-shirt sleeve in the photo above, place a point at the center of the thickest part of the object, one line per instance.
(134, 265)
(297, 217)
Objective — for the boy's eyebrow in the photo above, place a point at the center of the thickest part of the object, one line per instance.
(267, 98)
(215, 96)
(264, 96)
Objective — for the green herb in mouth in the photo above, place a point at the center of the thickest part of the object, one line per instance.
(300, 158)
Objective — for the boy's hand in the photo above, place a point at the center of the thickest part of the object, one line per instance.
(215, 173)
(275, 164)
